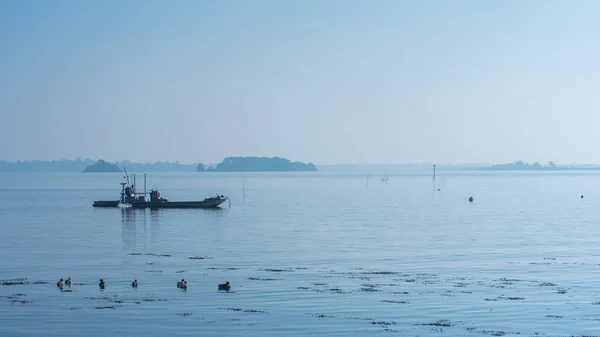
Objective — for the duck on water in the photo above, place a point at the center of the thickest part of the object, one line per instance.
(130, 198)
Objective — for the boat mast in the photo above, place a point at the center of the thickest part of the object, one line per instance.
(126, 175)
(144, 186)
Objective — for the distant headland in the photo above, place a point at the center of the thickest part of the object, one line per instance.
(102, 166)
(257, 164)
(521, 166)
(80, 165)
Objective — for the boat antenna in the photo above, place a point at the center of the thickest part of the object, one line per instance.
(126, 175)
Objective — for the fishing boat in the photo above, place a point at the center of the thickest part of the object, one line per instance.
(130, 198)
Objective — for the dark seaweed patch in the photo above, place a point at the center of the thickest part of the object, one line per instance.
(381, 273)
(199, 258)
(383, 323)
(40, 282)
(152, 254)
(392, 301)
(106, 298)
(274, 270)
(21, 301)
(243, 310)
(135, 254)
(440, 323)
(368, 288)
(185, 314)
(554, 316)
(320, 315)
(104, 307)
(502, 279)
(180, 271)
(494, 332)
(261, 279)
(511, 298)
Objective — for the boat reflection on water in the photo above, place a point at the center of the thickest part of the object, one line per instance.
(135, 229)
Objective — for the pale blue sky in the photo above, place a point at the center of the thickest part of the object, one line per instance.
(323, 81)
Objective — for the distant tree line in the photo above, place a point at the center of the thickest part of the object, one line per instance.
(522, 166)
(257, 164)
(79, 165)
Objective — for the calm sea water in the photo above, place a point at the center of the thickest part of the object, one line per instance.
(306, 254)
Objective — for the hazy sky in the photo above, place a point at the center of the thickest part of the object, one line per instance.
(311, 80)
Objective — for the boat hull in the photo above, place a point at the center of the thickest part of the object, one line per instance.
(208, 203)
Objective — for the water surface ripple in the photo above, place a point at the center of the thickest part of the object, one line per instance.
(306, 254)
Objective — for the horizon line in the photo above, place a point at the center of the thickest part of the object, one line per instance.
(318, 165)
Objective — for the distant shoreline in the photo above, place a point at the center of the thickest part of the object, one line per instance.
(229, 164)
(522, 166)
(79, 165)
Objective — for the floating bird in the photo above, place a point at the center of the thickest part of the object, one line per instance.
(225, 286)
(582, 196)
(134, 284)
(68, 282)
(101, 284)
(470, 199)
(59, 284)
(184, 285)
(180, 283)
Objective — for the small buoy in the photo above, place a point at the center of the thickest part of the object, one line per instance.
(582, 196)
(470, 199)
